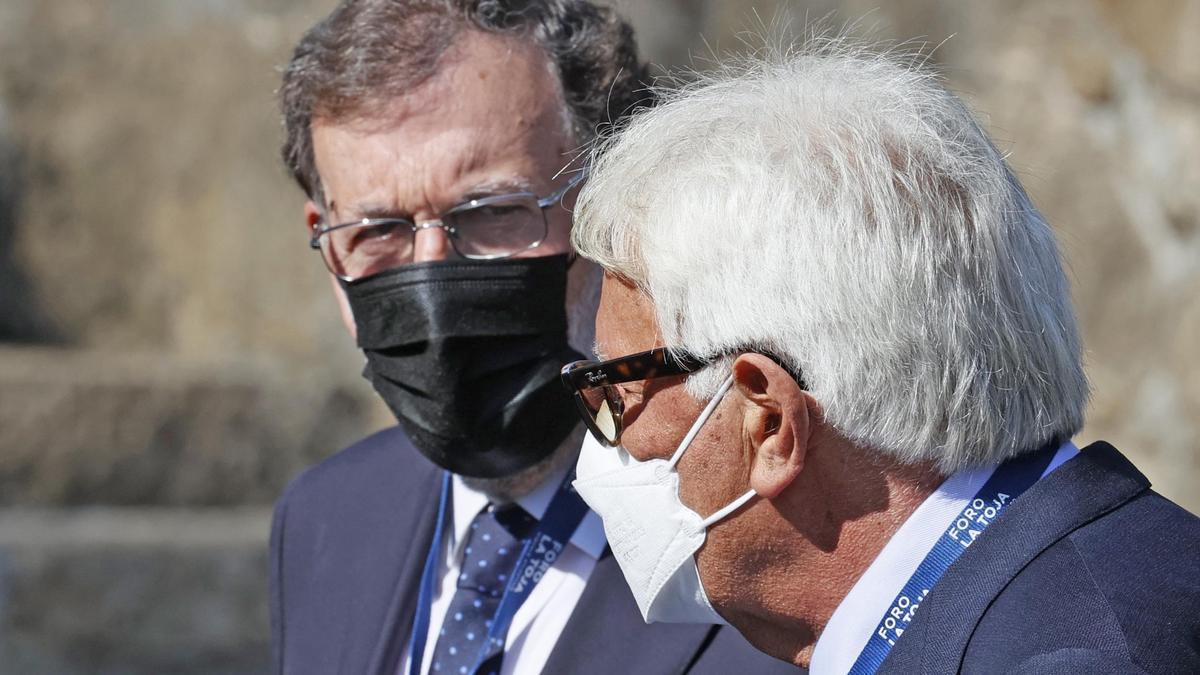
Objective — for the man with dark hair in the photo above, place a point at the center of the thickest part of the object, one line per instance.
(434, 140)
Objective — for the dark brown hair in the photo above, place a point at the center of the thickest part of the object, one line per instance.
(369, 52)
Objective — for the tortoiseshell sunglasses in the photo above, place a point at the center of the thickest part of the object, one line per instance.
(599, 402)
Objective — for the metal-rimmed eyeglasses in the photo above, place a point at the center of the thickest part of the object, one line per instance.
(488, 228)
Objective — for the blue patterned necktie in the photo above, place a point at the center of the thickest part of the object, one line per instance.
(492, 547)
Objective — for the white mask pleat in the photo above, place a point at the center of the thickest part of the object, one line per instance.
(653, 534)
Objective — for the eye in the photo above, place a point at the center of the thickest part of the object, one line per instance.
(499, 210)
(371, 238)
(385, 230)
(631, 393)
(376, 232)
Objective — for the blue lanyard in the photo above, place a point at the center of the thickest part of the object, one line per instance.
(1007, 483)
(547, 542)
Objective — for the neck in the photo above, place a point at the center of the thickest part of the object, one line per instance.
(836, 518)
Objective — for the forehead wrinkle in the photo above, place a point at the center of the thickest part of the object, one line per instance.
(471, 157)
(376, 207)
(474, 156)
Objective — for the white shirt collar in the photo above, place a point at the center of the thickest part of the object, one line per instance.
(466, 503)
(854, 620)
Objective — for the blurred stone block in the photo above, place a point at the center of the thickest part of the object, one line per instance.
(133, 591)
(82, 427)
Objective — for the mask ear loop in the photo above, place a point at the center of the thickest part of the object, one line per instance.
(687, 440)
(708, 411)
(730, 508)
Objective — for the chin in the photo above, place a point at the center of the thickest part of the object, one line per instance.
(510, 488)
(779, 637)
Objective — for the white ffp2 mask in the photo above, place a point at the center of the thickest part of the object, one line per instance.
(653, 535)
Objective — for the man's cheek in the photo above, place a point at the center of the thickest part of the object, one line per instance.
(640, 445)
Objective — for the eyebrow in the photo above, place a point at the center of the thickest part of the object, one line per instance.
(489, 188)
(500, 186)
(372, 211)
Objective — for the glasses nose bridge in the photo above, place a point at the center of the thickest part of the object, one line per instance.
(433, 223)
(432, 247)
(438, 223)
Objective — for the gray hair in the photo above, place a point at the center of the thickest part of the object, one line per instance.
(367, 53)
(840, 209)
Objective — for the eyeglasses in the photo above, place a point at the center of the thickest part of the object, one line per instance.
(599, 401)
(489, 228)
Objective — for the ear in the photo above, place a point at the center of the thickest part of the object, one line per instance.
(343, 302)
(776, 423)
(312, 217)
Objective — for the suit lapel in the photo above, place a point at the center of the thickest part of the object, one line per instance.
(393, 636)
(606, 634)
(1091, 484)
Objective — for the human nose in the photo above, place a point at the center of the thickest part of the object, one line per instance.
(431, 242)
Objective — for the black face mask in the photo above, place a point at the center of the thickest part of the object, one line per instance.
(467, 356)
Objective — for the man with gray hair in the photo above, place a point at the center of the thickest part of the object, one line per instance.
(841, 378)
(433, 140)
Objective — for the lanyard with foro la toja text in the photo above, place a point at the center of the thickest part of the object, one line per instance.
(1006, 483)
(551, 535)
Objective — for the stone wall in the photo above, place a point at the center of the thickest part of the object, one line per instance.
(170, 356)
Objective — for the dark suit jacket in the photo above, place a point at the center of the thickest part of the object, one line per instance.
(1088, 572)
(348, 544)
